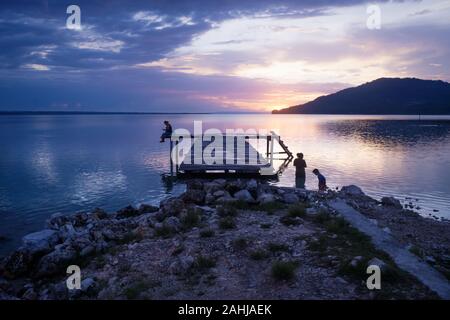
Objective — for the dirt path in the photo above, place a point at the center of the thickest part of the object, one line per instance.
(402, 257)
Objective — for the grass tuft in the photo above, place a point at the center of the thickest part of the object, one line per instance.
(298, 210)
(207, 233)
(277, 247)
(240, 243)
(259, 254)
(284, 270)
(191, 219)
(227, 223)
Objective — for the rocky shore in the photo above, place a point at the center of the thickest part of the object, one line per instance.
(226, 239)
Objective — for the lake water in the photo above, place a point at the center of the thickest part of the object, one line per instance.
(70, 163)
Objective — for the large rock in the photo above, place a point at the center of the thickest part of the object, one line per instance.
(194, 196)
(221, 193)
(290, 198)
(252, 185)
(57, 220)
(41, 241)
(146, 208)
(181, 265)
(99, 214)
(235, 185)
(127, 212)
(221, 182)
(211, 187)
(226, 198)
(172, 206)
(266, 198)
(67, 231)
(380, 263)
(173, 223)
(16, 264)
(55, 262)
(5, 296)
(391, 202)
(194, 185)
(87, 285)
(352, 190)
(244, 195)
(209, 198)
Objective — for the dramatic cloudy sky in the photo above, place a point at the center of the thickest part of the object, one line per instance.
(200, 56)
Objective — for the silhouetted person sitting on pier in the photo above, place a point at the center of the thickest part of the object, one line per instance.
(167, 131)
(300, 175)
(322, 180)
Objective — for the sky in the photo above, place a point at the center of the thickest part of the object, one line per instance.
(211, 56)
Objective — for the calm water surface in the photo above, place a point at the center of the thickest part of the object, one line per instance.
(69, 163)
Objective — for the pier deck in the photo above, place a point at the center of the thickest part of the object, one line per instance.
(234, 154)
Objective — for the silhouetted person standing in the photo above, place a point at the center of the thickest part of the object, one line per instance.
(167, 131)
(322, 180)
(300, 175)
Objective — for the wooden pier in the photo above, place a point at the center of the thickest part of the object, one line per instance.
(233, 154)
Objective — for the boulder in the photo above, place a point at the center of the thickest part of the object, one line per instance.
(290, 198)
(87, 285)
(29, 294)
(99, 213)
(352, 190)
(5, 296)
(146, 208)
(173, 223)
(86, 251)
(172, 206)
(194, 185)
(211, 187)
(55, 262)
(252, 185)
(16, 264)
(226, 198)
(221, 182)
(67, 231)
(194, 196)
(266, 198)
(80, 219)
(356, 261)
(41, 241)
(209, 198)
(377, 262)
(244, 195)
(181, 265)
(221, 193)
(391, 202)
(127, 212)
(312, 211)
(57, 220)
(235, 185)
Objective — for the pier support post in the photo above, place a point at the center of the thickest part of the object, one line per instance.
(170, 156)
(176, 157)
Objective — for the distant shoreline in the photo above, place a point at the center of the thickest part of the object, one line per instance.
(7, 113)
(89, 113)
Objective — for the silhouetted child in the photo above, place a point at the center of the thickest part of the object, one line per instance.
(322, 180)
(300, 176)
(167, 131)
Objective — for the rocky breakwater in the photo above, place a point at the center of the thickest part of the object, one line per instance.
(238, 239)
